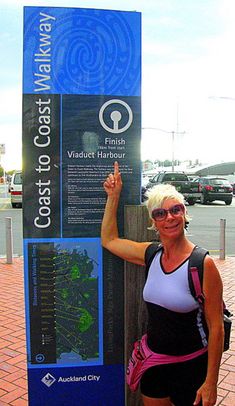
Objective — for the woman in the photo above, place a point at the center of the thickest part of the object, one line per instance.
(193, 382)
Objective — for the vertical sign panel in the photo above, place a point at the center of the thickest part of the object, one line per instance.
(81, 112)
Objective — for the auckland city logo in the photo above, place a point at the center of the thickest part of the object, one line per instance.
(48, 380)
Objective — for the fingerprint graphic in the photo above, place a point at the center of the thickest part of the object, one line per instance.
(95, 52)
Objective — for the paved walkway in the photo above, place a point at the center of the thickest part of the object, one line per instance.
(13, 380)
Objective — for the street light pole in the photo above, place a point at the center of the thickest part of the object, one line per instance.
(173, 151)
(222, 97)
(172, 141)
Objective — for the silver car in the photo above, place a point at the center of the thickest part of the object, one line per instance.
(16, 189)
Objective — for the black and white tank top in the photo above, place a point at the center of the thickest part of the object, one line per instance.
(176, 323)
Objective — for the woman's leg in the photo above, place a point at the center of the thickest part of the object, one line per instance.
(154, 387)
(156, 401)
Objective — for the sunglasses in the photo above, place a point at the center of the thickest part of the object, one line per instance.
(161, 214)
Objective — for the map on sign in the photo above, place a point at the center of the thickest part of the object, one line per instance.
(65, 279)
(76, 304)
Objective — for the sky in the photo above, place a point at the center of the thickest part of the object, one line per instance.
(188, 85)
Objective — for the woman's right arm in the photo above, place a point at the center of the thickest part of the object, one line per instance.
(126, 249)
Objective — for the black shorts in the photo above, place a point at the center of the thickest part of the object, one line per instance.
(178, 381)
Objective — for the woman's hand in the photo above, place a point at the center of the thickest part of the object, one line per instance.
(207, 394)
(128, 250)
(113, 183)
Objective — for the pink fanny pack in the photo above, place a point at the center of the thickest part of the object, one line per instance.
(143, 358)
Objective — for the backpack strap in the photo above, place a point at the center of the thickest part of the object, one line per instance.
(196, 284)
(150, 253)
(195, 273)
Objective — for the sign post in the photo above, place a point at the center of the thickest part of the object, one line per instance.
(2, 152)
(2, 149)
(81, 112)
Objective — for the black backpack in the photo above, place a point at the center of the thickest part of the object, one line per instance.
(195, 272)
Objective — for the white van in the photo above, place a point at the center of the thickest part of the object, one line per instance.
(16, 189)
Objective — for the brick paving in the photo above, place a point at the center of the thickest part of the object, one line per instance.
(13, 376)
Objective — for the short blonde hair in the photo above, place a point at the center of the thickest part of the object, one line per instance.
(157, 195)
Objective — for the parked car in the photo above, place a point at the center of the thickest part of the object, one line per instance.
(215, 188)
(180, 180)
(233, 186)
(16, 189)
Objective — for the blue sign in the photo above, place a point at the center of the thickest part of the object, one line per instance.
(81, 112)
(81, 51)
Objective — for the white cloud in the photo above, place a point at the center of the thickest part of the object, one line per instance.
(176, 77)
(11, 103)
(10, 127)
(11, 137)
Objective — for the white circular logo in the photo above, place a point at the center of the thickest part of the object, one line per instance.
(115, 117)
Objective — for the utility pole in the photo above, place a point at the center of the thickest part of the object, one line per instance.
(173, 151)
(172, 141)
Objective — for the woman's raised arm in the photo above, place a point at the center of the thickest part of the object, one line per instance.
(128, 250)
